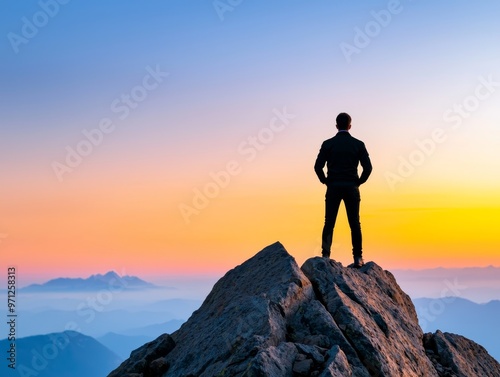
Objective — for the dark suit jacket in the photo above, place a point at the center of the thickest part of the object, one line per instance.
(342, 154)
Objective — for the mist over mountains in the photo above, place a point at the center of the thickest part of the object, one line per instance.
(478, 322)
(138, 313)
(110, 281)
(119, 312)
(127, 341)
(66, 354)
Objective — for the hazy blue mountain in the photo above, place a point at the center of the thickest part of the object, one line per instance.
(127, 341)
(87, 320)
(180, 308)
(478, 322)
(123, 345)
(110, 281)
(66, 354)
(155, 330)
(95, 315)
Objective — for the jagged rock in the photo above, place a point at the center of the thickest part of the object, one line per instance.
(143, 362)
(337, 364)
(272, 361)
(267, 317)
(302, 367)
(157, 367)
(376, 317)
(454, 355)
(311, 352)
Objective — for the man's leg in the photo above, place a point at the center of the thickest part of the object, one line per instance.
(332, 203)
(352, 199)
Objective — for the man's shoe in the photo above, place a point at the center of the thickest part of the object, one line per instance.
(358, 262)
(325, 254)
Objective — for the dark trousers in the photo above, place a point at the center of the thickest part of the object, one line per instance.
(350, 196)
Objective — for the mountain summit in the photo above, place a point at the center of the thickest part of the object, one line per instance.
(110, 280)
(268, 317)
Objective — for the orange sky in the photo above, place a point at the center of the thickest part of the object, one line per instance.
(79, 229)
(238, 109)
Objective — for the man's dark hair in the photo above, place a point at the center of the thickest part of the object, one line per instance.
(343, 121)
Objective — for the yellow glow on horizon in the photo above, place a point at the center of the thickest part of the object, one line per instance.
(88, 228)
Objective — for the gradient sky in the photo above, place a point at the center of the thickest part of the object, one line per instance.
(422, 87)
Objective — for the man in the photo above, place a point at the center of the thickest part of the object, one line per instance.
(342, 154)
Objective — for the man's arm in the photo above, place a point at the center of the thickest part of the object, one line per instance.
(320, 164)
(366, 165)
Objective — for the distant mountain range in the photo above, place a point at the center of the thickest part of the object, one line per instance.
(124, 343)
(88, 321)
(478, 284)
(478, 322)
(153, 331)
(66, 354)
(139, 317)
(109, 281)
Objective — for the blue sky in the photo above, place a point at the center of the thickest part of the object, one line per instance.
(226, 77)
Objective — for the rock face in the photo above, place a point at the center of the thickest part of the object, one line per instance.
(454, 355)
(268, 317)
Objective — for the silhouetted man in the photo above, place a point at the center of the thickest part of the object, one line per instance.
(342, 154)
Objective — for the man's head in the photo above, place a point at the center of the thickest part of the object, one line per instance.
(343, 121)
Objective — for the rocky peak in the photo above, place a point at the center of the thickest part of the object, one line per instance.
(268, 317)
